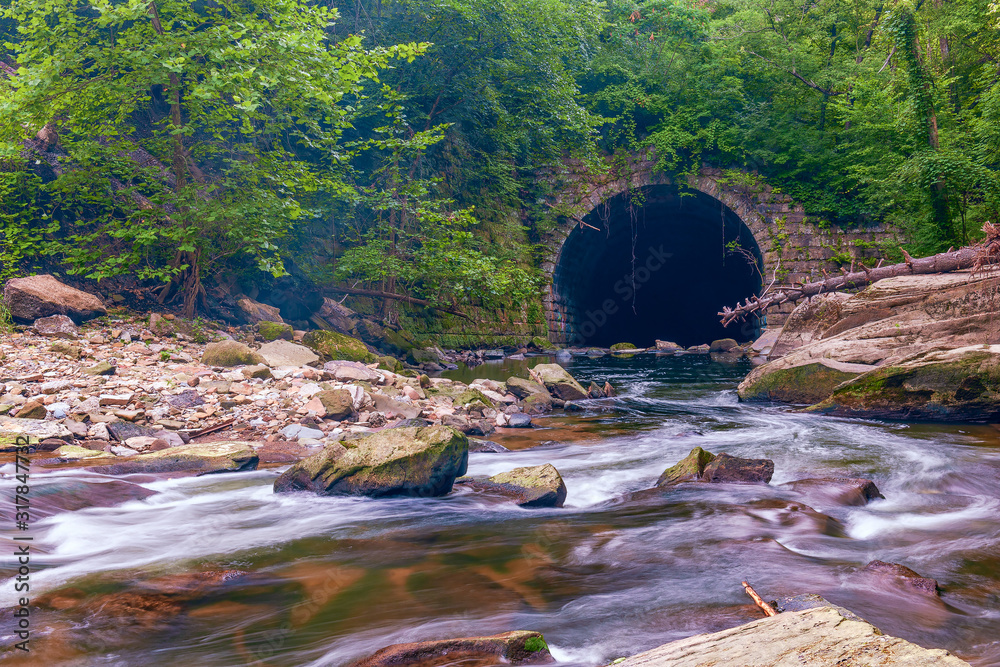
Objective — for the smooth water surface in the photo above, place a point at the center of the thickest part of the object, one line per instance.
(218, 570)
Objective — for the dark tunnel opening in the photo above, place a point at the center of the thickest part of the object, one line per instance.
(658, 266)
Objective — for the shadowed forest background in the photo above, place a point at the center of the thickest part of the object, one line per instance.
(391, 150)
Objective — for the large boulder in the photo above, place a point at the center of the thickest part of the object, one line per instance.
(524, 388)
(34, 297)
(393, 462)
(957, 385)
(808, 323)
(825, 635)
(733, 469)
(333, 345)
(805, 384)
(282, 353)
(702, 466)
(558, 381)
(227, 353)
(892, 320)
(255, 312)
(510, 648)
(338, 316)
(534, 486)
(688, 469)
(199, 459)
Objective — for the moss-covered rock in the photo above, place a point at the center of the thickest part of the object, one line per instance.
(227, 353)
(427, 355)
(534, 486)
(274, 330)
(617, 347)
(540, 343)
(559, 382)
(804, 384)
(337, 403)
(702, 466)
(332, 345)
(723, 345)
(397, 342)
(688, 469)
(390, 364)
(960, 385)
(393, 462)
(536, 404)
(199, 459)
(75, 453)
(471, 396)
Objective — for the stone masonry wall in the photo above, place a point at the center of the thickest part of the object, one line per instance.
(795, 248)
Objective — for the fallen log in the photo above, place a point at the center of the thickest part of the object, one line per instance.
(768, 609)
(953, 260)
(399, 297)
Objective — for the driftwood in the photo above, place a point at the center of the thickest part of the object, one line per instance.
(953, 260)
(768, 609)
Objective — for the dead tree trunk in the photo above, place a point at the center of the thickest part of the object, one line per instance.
(953, 260)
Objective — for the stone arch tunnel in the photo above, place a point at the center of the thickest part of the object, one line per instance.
(651, 264)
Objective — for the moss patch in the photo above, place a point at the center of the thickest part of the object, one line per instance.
(333, 345)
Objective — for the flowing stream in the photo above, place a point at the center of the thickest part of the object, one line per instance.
(218, 570)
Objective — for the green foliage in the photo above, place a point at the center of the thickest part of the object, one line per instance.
(195, 132)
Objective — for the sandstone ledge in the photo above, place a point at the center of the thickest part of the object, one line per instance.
(821, 636)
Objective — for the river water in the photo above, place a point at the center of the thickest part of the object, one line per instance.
(218, 570)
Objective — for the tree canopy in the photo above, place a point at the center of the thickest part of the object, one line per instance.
(172, 138)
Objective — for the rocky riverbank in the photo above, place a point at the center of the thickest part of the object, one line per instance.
(909, 348)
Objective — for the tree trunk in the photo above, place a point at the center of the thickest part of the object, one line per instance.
(953, 260)
(189, 279)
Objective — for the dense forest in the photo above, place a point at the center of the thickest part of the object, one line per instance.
(392, 147)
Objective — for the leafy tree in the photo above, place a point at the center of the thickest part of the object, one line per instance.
(193, 129)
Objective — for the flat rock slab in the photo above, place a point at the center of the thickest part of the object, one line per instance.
(281, 353)
(198, 459)
(35, 430)
(820, 636)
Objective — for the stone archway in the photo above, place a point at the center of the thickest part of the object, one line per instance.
(727, 234)
(651, 263)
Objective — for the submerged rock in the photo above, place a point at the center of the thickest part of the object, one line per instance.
(393, 462)
(902, 575)
(702, 466)
(960, 385)
(199, 459)
(34, 297)
(559, 382)
(510, 648)
(852, 491)
(825, 635)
